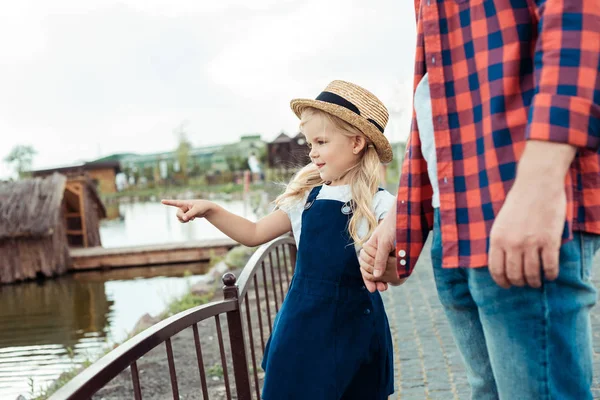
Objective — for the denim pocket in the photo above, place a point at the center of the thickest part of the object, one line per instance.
(436, 237)
(436, 245)
(590, 244)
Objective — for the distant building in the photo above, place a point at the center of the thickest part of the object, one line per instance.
(288, 152)
(102, 172)
(250, 143)
(204, 160)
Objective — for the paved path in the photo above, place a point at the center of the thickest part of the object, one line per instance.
(428, 365)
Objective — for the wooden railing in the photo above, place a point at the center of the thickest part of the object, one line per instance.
(260, 289)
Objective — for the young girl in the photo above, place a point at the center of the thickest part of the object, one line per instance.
(331, 338)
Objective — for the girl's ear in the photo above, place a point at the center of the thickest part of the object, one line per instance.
(359, 144)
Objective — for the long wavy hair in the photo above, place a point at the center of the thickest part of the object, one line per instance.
(363, 177)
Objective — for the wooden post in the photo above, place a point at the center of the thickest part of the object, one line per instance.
(236, 339)
(82, 193)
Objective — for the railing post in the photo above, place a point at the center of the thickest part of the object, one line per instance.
(236, 339)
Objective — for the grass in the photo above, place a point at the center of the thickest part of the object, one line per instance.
(186, 302)
(62, 380)
(215, 370)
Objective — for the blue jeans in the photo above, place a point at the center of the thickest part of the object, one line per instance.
(523, 343)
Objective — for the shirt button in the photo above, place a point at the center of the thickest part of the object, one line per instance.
(445, 180)
(402, 262)
(367, 311)
(433, 60)
(401, 253)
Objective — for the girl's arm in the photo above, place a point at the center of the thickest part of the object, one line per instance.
(238, 228)
(247, 232)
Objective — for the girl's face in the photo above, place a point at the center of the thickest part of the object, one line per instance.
(330, 150)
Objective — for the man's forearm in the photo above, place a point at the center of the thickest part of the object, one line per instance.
(546, 161)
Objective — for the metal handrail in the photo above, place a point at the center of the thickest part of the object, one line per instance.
(112, 364)
(257, 258)
(127, 354)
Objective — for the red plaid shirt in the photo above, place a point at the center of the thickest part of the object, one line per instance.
(501, 72)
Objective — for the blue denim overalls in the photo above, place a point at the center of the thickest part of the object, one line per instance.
(331, 339)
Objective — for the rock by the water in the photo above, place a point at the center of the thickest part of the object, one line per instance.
(145, 322)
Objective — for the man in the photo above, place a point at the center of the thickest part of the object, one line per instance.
(503, 165)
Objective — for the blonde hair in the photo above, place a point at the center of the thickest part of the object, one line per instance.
(363, 177)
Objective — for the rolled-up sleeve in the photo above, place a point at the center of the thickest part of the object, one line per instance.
(566, 104)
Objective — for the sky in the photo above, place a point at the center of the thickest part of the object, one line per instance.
(83, 79)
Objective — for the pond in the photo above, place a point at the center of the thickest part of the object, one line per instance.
(47, 328)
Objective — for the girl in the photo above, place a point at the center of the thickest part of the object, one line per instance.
(331, 338)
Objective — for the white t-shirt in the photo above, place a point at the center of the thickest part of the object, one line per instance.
(427, 134)
(383, 201)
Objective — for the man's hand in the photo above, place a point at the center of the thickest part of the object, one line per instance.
(390, 276)
(529, 226)
(384, 240)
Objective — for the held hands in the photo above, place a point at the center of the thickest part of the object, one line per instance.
(188, 210)
(377, 266)
(367, 261)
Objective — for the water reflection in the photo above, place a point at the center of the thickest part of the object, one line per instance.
(47, 328)
(60, 312)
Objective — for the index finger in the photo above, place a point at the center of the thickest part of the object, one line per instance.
(381, 258)
(174, 203)
(497, 267)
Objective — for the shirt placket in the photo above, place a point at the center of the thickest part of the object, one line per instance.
(429, 14)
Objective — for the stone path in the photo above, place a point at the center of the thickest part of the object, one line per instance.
(428, 364)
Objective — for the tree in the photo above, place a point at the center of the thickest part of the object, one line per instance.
(236, 162)
(183, 150)
(20, 159)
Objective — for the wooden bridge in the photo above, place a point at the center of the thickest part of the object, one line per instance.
(173, 253)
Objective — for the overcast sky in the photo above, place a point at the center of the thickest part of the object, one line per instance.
(82, 79)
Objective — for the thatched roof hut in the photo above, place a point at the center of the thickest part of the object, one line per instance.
(40, 217)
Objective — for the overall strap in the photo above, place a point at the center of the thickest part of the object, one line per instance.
(346, 208)
(312, 196)
(351, 204)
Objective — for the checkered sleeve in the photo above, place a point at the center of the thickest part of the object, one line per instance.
(566, 104)
(417, 8)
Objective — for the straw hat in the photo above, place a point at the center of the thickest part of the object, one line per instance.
(358, 107)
